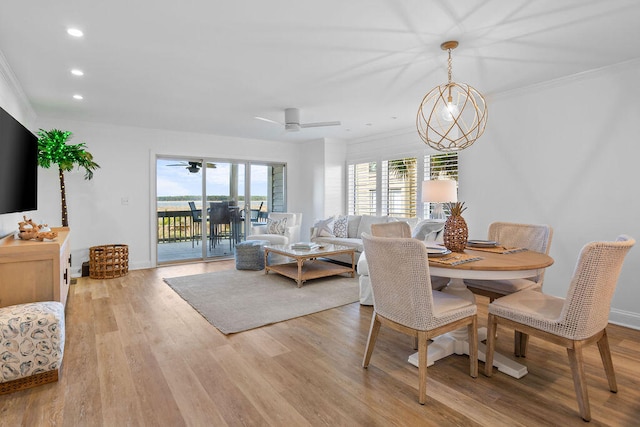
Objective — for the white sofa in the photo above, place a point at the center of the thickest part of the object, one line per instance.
(356, 225)
(429, 230)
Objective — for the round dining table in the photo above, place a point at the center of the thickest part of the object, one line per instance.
(491, 265)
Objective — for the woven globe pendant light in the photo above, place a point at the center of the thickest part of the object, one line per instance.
(451, 116)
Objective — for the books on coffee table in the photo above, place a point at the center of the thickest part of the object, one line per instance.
(306, 246)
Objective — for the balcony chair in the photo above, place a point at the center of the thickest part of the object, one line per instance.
(219, 223)
(404, 301)
(255, 213)
(196, 224)
(574, 322)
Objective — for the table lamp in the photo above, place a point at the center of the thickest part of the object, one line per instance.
(439, 191)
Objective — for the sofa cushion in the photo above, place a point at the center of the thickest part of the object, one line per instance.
(427, 229)
(366, 221)
(323, 227)
(353, 222)
(340, 226)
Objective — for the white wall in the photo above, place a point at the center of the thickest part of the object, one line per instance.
(13, 101)
(127, 158)
(566, 154)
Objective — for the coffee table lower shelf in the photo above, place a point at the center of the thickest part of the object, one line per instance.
(310, 269)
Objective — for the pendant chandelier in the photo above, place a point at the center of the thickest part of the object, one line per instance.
(452, 116)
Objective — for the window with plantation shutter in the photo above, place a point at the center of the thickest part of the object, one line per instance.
(393, 185)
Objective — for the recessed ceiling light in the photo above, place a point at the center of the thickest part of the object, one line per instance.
(77, 72)
(75, 32)
(78, 97)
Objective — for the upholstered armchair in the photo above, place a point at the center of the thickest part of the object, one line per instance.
(281, 228)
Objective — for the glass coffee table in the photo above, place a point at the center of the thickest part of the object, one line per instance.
(307, 264)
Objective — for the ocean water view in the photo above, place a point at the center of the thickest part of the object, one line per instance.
(183, 205)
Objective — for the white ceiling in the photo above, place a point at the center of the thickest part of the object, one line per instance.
(211, 66)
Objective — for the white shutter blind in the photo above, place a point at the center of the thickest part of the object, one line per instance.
(439, 166)
(362, 189)
(399, 187)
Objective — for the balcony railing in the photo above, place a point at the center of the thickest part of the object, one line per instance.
(179, 226)
(175, 226)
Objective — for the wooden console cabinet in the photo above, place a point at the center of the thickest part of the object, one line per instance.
(32, 271)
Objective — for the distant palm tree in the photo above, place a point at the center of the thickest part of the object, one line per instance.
(402, 168)
(53, 148)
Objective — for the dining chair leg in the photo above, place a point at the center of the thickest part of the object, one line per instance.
(422, 367)
(520, 341)
(472, 331)
(576, 362)
(371, 341)
(492, 327)
(605, 355)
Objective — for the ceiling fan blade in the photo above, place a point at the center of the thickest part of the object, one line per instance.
(319, 124)
(178, 164)
(268, 120)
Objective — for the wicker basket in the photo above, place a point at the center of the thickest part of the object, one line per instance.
(108, 261)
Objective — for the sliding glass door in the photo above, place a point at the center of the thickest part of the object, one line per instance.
(225, 202)
(206, 206)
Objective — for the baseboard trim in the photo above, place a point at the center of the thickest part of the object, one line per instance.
(625, 318)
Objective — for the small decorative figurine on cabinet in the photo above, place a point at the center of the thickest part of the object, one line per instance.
(28, 230)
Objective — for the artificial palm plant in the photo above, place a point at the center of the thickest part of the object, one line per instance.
(53, 149)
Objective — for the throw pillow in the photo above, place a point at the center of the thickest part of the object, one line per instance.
(427, 230)
(324, 227)
(276, 226)
(340, 226)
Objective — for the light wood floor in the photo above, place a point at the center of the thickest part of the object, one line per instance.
(137, 354)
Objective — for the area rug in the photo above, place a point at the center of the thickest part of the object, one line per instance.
(239, 300)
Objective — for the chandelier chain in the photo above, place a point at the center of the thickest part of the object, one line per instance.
(449, 62)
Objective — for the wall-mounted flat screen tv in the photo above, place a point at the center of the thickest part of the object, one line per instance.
(18, 166)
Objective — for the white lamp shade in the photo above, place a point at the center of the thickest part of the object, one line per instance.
(439, 191)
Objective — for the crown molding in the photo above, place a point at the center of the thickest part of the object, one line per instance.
(28, 114)
(571, 78)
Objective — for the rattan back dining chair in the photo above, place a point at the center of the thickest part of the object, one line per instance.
(533, 237)
(578, 320)
(402, 229)
(404, 301)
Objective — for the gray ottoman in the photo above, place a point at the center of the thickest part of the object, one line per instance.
(250, 255)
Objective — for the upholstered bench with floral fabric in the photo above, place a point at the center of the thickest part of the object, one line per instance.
(31, 344)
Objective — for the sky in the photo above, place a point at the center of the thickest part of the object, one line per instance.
(178, 181)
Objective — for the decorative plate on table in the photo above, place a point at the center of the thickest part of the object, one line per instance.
(437, 251)
(481, 243)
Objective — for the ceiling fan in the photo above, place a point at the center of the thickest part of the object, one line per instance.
(193, 167)
(292, 121)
